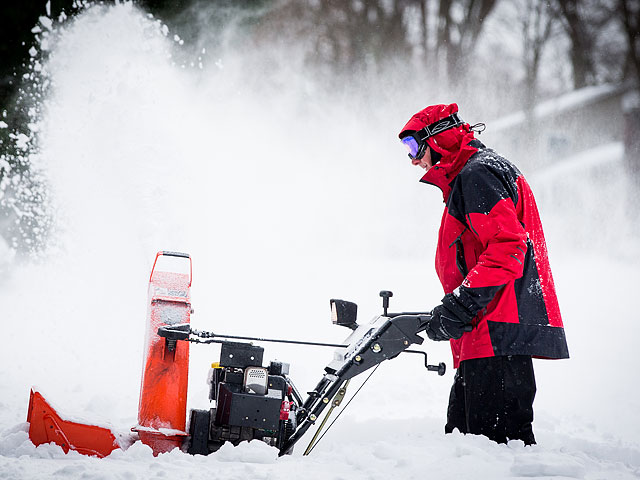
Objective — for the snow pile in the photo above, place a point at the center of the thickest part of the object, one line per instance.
(364, 451)
(281, 211)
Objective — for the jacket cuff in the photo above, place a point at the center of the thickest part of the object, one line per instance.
(453, 303)
(475, 299)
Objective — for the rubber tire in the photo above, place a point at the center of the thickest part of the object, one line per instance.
(199, 432)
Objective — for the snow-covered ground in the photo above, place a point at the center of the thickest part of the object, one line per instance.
(281, 209)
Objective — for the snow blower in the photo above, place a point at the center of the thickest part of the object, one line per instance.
(249, 401)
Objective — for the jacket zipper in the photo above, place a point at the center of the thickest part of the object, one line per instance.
(460, 260)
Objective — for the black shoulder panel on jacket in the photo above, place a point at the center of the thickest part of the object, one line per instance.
(486, 179)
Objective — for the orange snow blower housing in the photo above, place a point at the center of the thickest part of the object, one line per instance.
(162, 411)
(45, 426)
(162, 408)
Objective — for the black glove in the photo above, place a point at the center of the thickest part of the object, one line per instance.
(449, 320)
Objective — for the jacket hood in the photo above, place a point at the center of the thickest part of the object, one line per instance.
(456, 145)
(446, 143)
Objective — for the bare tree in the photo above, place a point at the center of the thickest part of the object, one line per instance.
(536, 19)
(460, 23)
(424, 23)
(582, 20)
(629, 13)
(351, 36)
(355, 35)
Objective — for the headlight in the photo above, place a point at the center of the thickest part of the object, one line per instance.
(344, 313)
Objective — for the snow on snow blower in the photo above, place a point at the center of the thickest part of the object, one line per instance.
(249, 401)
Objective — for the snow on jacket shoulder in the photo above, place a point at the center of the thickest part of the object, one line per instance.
(492, 253)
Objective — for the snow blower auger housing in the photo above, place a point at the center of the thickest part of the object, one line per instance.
(249, 401)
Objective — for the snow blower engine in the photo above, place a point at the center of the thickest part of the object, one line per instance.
(251, 401)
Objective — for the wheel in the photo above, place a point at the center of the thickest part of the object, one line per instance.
(287, 428)
(199, 432)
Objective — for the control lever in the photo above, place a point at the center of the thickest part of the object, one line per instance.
(385, 294)
(441, 368)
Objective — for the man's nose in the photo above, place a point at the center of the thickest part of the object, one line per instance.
(415, 161)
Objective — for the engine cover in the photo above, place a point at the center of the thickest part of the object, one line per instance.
(234, 407)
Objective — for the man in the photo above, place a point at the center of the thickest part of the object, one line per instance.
(500, 307)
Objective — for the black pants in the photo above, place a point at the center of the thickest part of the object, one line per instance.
(494, 397)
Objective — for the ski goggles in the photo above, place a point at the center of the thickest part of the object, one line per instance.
(416, 150)
(417, 143)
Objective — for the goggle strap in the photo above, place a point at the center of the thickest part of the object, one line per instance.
(435, 128)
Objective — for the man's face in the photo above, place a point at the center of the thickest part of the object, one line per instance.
(425, 161)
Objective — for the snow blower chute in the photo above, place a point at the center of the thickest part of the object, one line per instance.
(248, 400)
(162, 411)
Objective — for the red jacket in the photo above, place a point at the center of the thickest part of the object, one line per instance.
(492, 251)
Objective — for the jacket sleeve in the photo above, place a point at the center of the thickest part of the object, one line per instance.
(489, 198)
